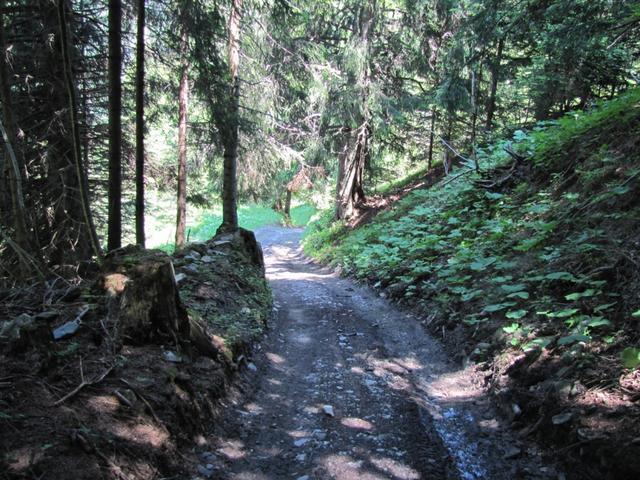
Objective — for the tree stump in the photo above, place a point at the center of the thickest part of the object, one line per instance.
(149, 309)
(149, 303)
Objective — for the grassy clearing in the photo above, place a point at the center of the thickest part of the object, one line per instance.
(202, 223)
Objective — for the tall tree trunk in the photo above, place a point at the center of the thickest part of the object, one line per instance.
(287, 206)
(493, 89)
(140, 235)
(183, 104)
(229, 181)
(432, 136)
(355, 155)
(352, 162)
(115, 125)
(476, 81)
(81, 173)
(13, 168)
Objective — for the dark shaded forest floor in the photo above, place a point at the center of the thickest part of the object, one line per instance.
(102, 403)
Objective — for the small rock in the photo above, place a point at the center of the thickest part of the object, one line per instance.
(301, 457)
(207, 259)
(11, 330)
(180, 277)
(301, 442)
(517, 411)
(191, 267)
(193, 254)
(328, 410)
(245, 311)
(172, 357)
(205, 472)
(207, 456)
(303, 477)
(561, 418)
(252, 366)
(512, 452)
(319, 434)
(67, 329)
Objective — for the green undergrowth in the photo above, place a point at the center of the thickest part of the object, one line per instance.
(402, 182)
(226, 289)
(545, 259)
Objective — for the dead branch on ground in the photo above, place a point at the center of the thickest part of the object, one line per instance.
(84, 383)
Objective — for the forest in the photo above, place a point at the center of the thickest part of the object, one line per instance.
(473, 162)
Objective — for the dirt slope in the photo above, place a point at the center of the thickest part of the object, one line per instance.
(109, 402)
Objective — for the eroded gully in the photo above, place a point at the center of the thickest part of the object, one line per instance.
(345, 386)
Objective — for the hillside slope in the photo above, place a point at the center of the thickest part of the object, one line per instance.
(531, 270)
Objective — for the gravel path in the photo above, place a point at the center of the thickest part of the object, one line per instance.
(345, 387)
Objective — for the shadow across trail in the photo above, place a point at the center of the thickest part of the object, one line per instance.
(348, 387)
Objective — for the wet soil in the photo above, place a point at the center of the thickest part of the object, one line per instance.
(345, 386)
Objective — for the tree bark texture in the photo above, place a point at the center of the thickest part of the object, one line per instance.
(355, 152)
(493, 89)
(115, 125)
(183, 105)
(81, 174)
(287, 205)
(231, 138)
(12, 166)
(432, 135)
(140, 234)
(352, 161)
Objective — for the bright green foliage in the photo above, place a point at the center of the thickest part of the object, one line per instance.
(630, 357)
(204, 222)
(536, 252)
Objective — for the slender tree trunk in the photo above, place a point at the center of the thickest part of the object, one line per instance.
(183, 104)
(356, 154)
(14, 171)
(81, 173)
(230, 187)
(115, 125)
(287, 205)
(493, 89)
(476, 80)
(432, 135)
(140, 235)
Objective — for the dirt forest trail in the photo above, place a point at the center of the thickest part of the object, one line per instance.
(345, 386)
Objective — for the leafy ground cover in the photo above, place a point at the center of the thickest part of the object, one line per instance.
(531, 270)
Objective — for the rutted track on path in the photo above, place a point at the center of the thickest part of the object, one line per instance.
(348, 387)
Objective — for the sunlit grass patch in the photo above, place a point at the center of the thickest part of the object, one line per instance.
(202, 223)
(301, 214)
